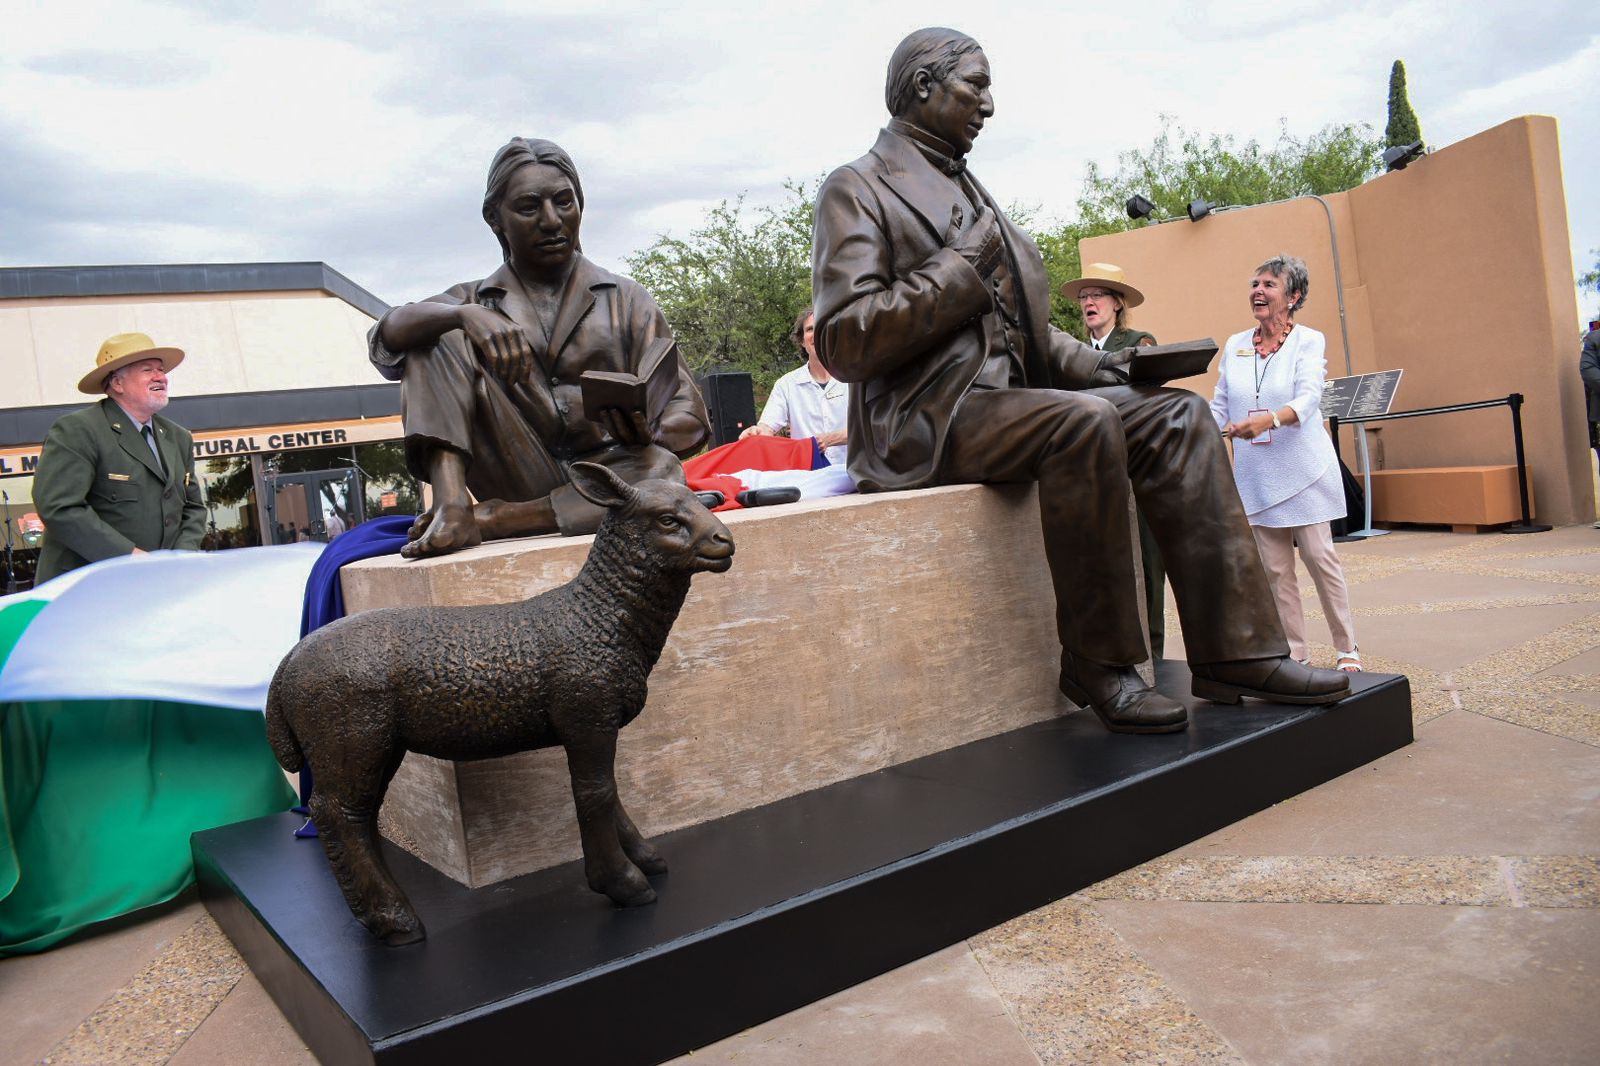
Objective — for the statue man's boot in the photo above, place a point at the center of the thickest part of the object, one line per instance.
(1119, 697)
(1279, 679)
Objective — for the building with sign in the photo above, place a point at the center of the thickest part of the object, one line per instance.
(296, 437)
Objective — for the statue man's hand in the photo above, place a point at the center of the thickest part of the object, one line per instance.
(627, 427)
(1113, 369)
(500, 342)
(979, 243)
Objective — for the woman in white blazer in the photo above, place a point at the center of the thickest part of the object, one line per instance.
(1268, 400)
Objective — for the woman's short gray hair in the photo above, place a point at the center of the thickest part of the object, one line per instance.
(1291, 270)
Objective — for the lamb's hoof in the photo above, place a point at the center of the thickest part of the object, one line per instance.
(647, 859)
(401, 937)
(647, 896)
(628, 889)
(396, 927)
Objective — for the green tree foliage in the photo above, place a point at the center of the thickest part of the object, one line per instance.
(1591, 279)
(731, 288)
(1403, 126)
(1183, 165)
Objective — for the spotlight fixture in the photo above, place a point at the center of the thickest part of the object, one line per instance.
(1198, 209)
(1138, 207)
(1402, 155)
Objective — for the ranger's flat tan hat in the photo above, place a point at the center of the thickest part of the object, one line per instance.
(122, 349)
(1105, 276)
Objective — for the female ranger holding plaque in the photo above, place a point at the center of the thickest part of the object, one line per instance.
(1268, 400)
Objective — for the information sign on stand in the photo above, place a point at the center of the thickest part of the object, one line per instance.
(1361, 396)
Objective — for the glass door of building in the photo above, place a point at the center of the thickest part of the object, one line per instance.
(313, 505)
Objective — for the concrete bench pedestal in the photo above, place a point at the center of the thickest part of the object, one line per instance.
(851, 634)
(1466, 498)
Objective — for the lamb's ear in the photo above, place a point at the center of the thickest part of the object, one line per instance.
(601, 486)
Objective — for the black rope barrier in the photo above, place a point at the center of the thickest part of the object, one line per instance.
(1514, 401)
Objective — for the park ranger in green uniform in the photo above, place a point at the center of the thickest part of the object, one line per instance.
(117, 478)
(1104, 297)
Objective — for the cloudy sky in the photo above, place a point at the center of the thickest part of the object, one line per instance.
(358, 133)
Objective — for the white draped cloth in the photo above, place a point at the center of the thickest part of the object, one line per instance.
(1293, 481)
(193, 627)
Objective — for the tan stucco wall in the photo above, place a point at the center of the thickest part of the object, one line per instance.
(243, 342)
(1456, 269)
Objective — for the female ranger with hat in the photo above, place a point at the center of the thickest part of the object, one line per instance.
(1104, 298)
(117, 478)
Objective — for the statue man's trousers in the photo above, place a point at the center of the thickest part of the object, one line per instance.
(1084, 449)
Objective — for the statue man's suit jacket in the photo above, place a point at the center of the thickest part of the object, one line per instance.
(100, 493)
(901, 316)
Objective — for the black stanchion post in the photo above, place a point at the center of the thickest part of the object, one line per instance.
(1526, 525)
(1333, 431)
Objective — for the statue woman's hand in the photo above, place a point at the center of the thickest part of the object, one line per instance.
(500, 342)
(630, 428)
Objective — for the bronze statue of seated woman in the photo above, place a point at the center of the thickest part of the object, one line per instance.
(492, 403)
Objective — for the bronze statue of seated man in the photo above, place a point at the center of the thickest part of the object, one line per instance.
(934, 307)
(491, 400)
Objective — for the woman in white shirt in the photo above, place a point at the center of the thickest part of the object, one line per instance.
(1268, 400)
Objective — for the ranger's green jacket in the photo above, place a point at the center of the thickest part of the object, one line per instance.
(100, 492)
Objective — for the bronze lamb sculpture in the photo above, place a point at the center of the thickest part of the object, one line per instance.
(567, 667)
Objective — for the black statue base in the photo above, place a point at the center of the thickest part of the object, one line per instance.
(771, 908)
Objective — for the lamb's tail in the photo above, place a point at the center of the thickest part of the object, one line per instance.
(285, 745)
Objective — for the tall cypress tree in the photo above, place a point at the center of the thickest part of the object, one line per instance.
(1403, 126)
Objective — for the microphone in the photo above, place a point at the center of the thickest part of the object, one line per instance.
(765, 497)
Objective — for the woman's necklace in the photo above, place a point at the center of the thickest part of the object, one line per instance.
(1263, 351)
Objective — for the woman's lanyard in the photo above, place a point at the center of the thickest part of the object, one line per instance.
(1259, 365)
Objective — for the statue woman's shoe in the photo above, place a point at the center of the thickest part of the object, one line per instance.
(1281, 680)
(1119, 697)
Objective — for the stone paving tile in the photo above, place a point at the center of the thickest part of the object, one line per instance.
(1565, 540)
(1450, 607)
(1470, 785)
(44, 997)
(1556, 880)
(1496, 568)
(938, 1011)
(1450, 879)
(1462, 641)
(1081, 995)
(1548, 714)
(1424, 590)
(1309, 984)
(1434, 880)
(1566, 562)
(1401, 542)
(1573, 638)
(152, 1016)
(246, 1029)
(1581, 665)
